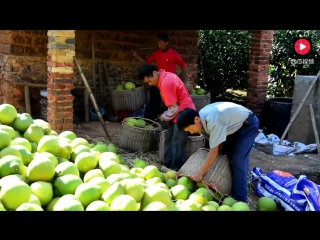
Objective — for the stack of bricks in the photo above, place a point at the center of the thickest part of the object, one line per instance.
(60, 62)
(261, 42)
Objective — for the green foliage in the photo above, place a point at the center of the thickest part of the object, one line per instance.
(225, 58)
(282, 70)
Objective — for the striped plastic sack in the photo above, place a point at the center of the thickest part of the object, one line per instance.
(307, 194)
(277, 185)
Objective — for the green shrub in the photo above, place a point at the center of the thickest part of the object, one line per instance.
(225, 60)
(281, 70)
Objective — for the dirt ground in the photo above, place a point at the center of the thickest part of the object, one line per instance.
(301, 164)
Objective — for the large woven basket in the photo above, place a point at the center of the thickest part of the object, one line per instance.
(201, 101)
(218, 176)
(139, 139)
(192, 145)
(128, 100)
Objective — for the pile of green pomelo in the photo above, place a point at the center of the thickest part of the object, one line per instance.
(41, 170)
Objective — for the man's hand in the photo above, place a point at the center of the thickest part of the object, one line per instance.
(211, 157)
(197, 177)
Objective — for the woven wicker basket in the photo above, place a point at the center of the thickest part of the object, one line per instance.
(218, 177)
(192, 145)
(139, 139)
(129, 100)
(201, 101)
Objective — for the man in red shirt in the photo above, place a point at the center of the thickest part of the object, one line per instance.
(165, 58)
(176, 97)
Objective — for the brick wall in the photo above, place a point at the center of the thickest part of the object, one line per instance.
(23, 58)
(115, 46)
(261, 42)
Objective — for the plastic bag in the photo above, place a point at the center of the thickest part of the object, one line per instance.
(306, 193)
(277, 185)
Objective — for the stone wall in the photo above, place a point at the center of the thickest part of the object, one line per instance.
(23, 58)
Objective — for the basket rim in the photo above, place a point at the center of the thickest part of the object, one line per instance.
(201, 135)
(124, 122)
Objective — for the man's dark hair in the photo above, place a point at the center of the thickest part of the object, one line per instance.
(163, 37)
(147, 71)
(186, 118)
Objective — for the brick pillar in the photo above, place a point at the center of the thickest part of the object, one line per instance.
(60, 62)
(261, 41)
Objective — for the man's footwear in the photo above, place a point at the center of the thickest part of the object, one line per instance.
(164, 169)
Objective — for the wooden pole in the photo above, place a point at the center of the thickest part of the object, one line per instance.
(93, 100)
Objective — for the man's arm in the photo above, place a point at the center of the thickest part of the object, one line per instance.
(218, 134)
(184, 73)
(149, 59)
(179, 61)
(169, 97)
(211, 157)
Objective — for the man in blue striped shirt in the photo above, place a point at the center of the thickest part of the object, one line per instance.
(231, 124)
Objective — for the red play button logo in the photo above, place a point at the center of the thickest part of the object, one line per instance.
(302, 46)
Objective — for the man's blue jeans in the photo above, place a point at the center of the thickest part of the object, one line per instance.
(237, 147)
(174, 144)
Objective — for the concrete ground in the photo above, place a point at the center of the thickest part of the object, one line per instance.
(301, 164)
